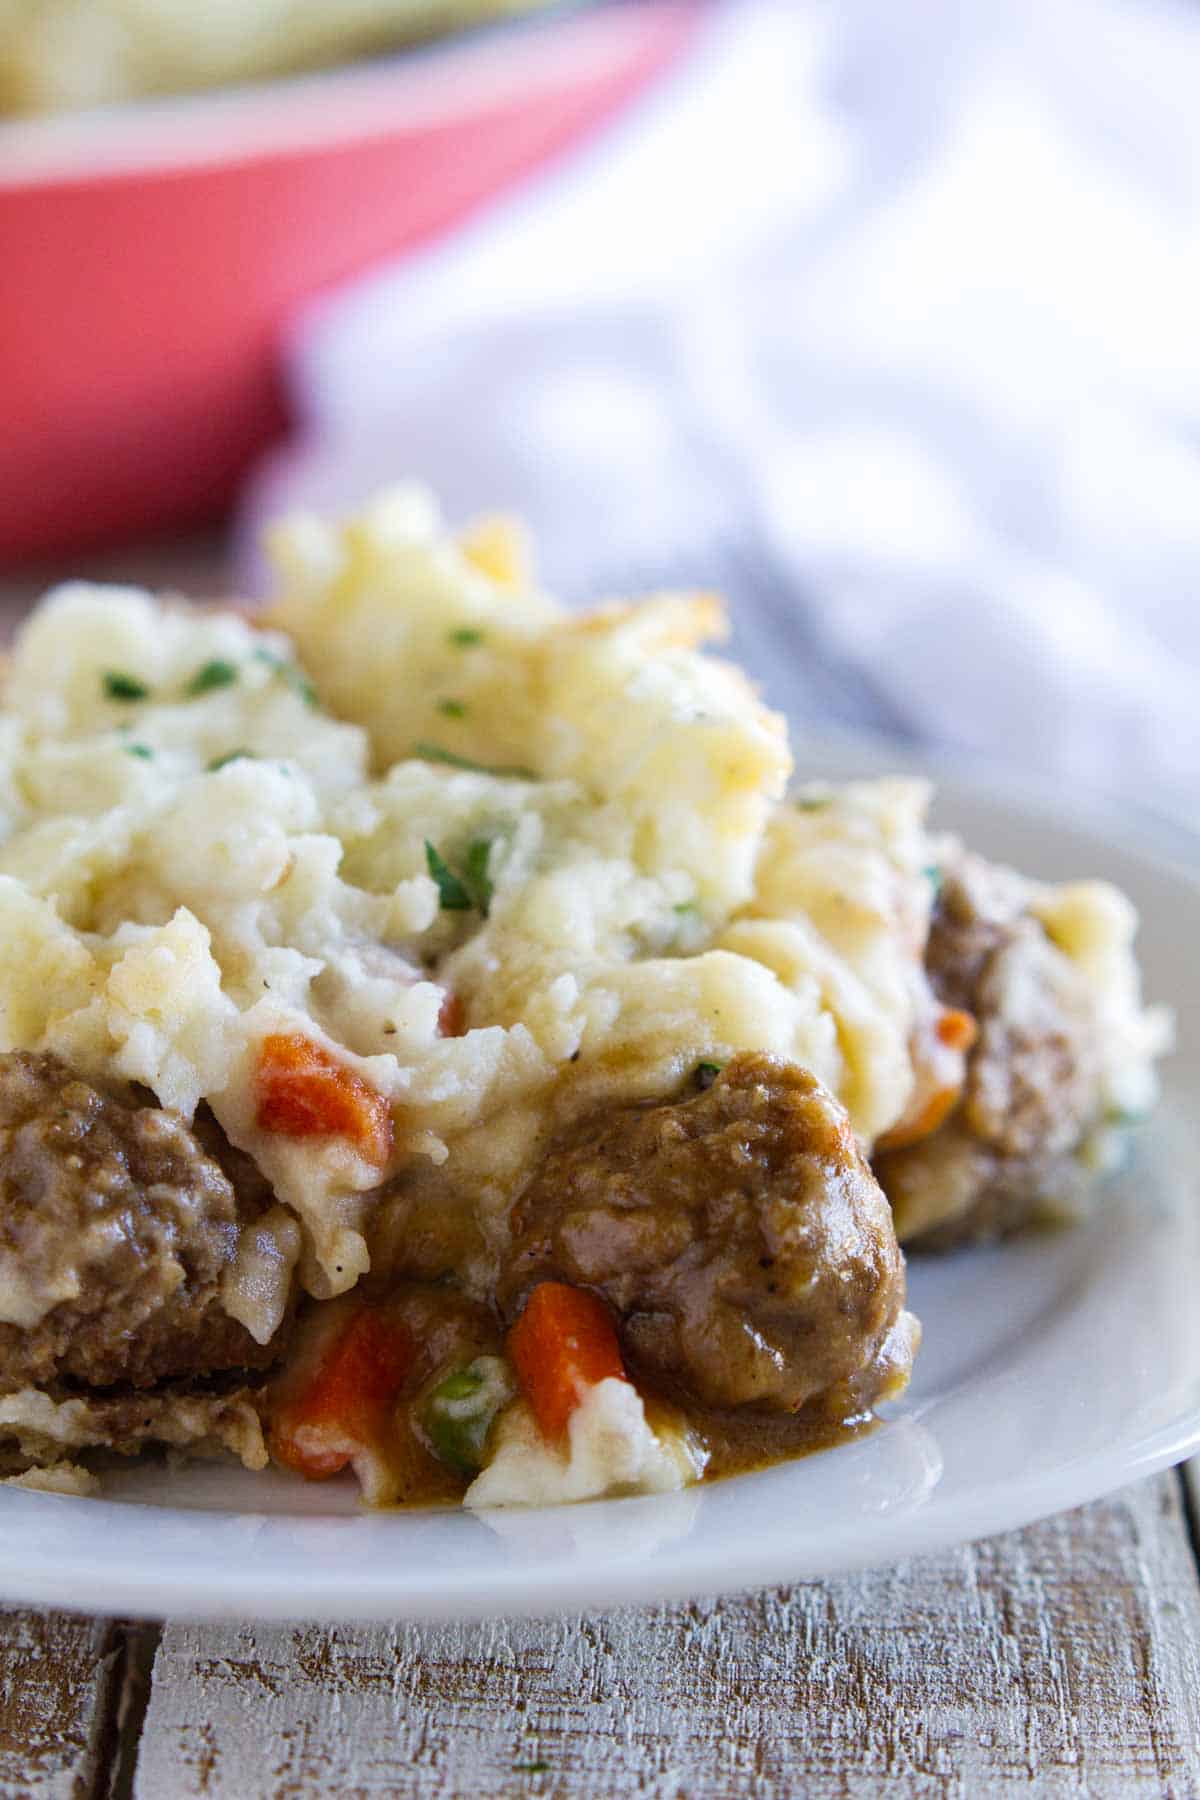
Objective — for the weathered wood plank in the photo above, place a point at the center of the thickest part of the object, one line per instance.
(1191, 1477)
(1065, 1658)
(59, 1679)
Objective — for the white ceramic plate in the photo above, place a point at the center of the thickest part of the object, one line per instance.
(1053, 1370)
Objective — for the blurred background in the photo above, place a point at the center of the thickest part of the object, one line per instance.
(883, 320)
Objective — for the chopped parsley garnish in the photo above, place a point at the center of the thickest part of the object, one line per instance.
(452, 894)
(119, 686)
(452, 709)
(475, 873)
(434, 753)
(142, 750)
(707, 1072)
(813, 802)
(684, 907)
(466, 637)
(221, 762)
(296, 679)
(472, 888)
(215, 674)
(934, 877)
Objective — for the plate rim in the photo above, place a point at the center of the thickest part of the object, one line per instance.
(336, 1597)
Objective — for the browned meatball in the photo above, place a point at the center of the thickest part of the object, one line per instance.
(1031, 1080)
(115, 1229)
(424, 1225)
(739, 1235)
(952, 1189)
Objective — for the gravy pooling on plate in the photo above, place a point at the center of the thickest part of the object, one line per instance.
(437, 1041)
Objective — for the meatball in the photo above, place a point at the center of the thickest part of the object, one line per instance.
(952, 1189)
(1031, 1079)
(115, 1229)
(740, 1237)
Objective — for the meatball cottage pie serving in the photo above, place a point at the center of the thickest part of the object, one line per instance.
(440, 1038)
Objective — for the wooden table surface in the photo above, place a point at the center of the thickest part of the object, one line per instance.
(1059, 1660)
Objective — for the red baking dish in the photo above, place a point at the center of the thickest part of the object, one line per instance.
(149, 253)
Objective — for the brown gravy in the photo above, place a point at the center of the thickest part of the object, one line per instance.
(737, 1444)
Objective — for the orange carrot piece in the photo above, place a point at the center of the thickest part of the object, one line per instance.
(305, 1092)
(956, 1029)
(452, 1015)
(563, 1344)
(940, 1079)
(343, 1408)
(935, 1110)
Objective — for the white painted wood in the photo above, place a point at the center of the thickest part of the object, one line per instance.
(59, 1681)
(1191, 1487)
(1062, 1660)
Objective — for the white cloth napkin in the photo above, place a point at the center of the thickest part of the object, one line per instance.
(885, 318)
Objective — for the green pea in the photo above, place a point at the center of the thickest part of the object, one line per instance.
(458, 1413)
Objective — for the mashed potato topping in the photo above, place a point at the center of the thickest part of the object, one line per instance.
(200, 862)
(610, 1448)
(501, 864)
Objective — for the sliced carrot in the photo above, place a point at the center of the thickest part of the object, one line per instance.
(923, 1122)
(563, 1344)
(343, 1407)
(304, 1092)
(956, 1029)
(939, 1056)
(452, 1016)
